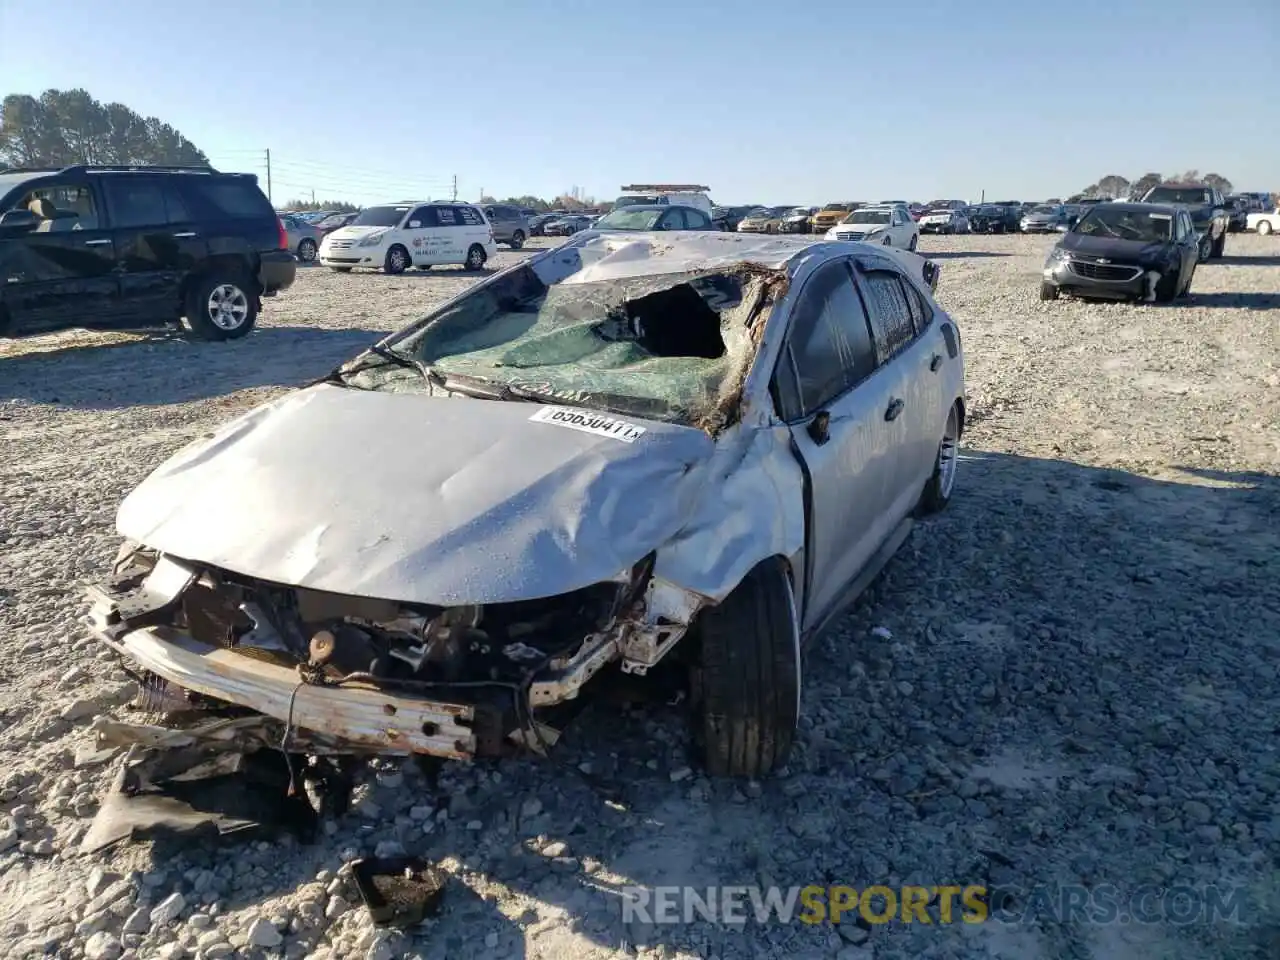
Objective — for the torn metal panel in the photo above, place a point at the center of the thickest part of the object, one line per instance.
(372, 718)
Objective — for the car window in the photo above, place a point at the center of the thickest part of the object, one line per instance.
(891, 320)
(673, 220)
(228, 197)
(448, 216)
(829, 347)
(696, 220)
(921, 311)
(73, 206)
(426, 217)
(470, 216)
(137, 202)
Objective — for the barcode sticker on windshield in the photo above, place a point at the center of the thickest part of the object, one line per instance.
(589, 422)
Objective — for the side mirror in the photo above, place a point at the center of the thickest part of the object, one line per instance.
(18, 221)
(819, 428)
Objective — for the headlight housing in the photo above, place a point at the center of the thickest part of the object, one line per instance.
(1057, 255)
(372, 240)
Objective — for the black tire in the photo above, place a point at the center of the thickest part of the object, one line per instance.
(748, 670)
(940, 486)
(222, 306)
(1219, 246)
(476, 257)
(307, 250)
(517, 240)
(397, 260)
(1048, 291)
(913, 242)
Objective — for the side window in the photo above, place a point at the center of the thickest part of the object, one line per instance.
(891, 322)
(491, 213)
(828, 348)
(448, 216)
(470, 216)
(226, 197)
(67, 207)
(921, 311)
(696, 220)
(673, 220)
(426, 217)
(176, 207)
(135, 202)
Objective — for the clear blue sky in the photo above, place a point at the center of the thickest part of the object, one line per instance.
(764, 101)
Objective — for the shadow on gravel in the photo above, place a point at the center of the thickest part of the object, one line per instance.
(169, 368)
(1249, 301)
(1265, 260)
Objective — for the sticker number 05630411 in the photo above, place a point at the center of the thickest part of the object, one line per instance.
(589, 422)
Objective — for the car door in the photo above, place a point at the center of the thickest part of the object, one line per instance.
(472, 229)
(419, 236)
(448, 235)
(157, 244)
(828, 390)
(61, 272)
(914, 352)
(1188, 245)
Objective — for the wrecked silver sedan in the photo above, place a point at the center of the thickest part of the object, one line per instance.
(624, 447)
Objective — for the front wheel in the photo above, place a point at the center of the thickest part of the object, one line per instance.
(747, 687)
(887, 241)
(517, 240)
(476, 257)
(1264, 227)
(222, 307)
(1048, 291)
(1219, 246)
(938, 488)
(1167, 286)
(397, 260)
(307, 251)
(913, 242)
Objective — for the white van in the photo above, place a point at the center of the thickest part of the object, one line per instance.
(396, 236)
(685, 194)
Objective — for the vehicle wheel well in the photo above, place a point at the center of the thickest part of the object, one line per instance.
(225, 265)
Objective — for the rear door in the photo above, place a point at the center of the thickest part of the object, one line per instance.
(828, 390)
(911, 351)
(62, 273)
(472, 229)
(157, 243)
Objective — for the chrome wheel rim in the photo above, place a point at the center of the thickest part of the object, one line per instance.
(949, 454)
(306, 251)
(397, 259)
(475, 259)
(228, 307)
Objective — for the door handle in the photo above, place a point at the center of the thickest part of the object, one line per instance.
(97, 243)
(188, 233)
(935, 363)
(895, 408)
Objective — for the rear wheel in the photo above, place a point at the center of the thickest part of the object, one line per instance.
(517, 240)
(1264, 227)
(476, 257)
(748, 675)
(937, 490)
(1048, 291)
(397, 260)
(1219, 246)
(307, 250)
(222, 306)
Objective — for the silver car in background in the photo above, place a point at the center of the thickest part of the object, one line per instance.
(689, 445)
(304, 237)
(1045, 218)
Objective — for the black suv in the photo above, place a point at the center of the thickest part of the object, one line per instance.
(122, 247)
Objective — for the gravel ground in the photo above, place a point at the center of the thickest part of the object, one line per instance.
(1067, 680)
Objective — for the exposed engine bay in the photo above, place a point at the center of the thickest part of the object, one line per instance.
(207, 637)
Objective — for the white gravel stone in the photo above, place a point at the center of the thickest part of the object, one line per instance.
(169, 909)
(102, 946)
(263, 934)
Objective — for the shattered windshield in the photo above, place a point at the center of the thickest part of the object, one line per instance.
(868, 216)
(1190, 195)
(665, 346)
(1126, 225)
(630, 220)
(379, 217)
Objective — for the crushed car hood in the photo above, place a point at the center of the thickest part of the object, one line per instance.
(426, 499)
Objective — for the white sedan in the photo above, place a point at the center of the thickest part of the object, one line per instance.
(1264, 223)
(888, 225)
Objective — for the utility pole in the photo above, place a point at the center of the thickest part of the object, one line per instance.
(313, 196)
(455, 186)
(268, 174)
